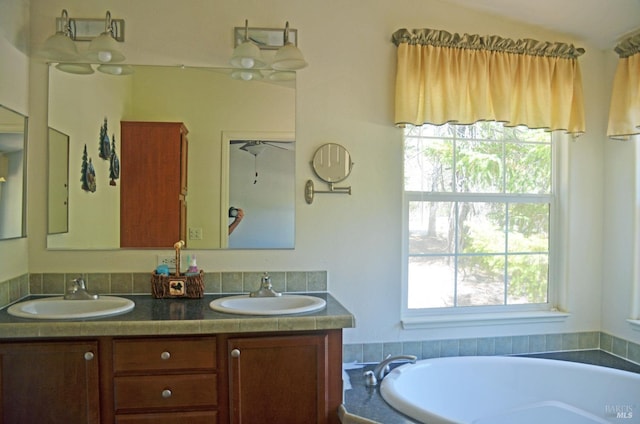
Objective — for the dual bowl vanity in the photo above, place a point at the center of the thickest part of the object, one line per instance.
(218, 359)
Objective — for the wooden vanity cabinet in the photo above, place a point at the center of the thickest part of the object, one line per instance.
(153, 183)
(248, 378)
(165, 380)
(284, 378)
(49, 382)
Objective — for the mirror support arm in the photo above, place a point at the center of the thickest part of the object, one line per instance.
(309, 191)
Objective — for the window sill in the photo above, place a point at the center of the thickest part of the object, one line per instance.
(499, 318)
(634, 323)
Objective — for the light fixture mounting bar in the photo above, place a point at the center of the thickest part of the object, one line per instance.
(86, 29)
(265, 38)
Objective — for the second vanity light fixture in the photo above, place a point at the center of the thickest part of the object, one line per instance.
(247, 56)
(104, 35)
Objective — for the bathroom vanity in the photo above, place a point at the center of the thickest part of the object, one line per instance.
(174, 361)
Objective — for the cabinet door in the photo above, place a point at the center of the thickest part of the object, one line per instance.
(278, 379)
(151, 183)
(49, 383)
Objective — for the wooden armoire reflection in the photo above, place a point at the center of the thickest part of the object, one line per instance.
(153, 184)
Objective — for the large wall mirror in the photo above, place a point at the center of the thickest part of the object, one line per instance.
(13, 131)
(241, 154)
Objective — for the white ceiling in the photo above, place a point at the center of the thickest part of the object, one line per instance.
(601, 22)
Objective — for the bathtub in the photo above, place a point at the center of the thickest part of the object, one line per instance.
(512, 390)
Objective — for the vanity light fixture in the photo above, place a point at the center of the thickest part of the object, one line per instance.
(60, 46)
(288, 57)
(103, 34)
(104, 48)
(249, 42)
(247, 54)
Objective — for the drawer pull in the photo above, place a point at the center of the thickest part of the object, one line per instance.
(165, 355)
(235, 353)
(88, 356)
(166, 393)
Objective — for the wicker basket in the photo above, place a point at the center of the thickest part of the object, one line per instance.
(177, 286)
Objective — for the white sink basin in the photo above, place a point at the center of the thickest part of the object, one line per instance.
(59, 308)
(281, 305)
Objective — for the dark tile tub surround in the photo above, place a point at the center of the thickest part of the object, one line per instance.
(365, 402)
(593, 357)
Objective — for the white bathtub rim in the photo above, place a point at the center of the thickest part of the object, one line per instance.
(394, 399)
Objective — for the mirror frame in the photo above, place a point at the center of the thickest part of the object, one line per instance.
(324, 172)
(23, 204)
(50, 189)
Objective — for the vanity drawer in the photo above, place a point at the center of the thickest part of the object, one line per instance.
(200, 417)
(161, 391)
(165, 354)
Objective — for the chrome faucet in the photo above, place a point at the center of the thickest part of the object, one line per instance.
(378, 373)
(78, 291)
(266, 289)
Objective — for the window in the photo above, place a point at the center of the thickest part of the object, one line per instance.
(478, 204)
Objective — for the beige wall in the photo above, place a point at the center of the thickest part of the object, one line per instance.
(14, 94)
(344, 96)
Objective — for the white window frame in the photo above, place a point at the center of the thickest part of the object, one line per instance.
(551, 311)
(634, 320)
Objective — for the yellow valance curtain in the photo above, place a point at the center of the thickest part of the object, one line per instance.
(624, 113)
(443, 77)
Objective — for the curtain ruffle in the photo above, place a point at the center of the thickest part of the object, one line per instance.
(628, 47)
(624, 111)
(441, 38)
(440, 80)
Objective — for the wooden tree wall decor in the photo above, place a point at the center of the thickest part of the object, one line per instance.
(88, 173)
(105, 146)
(114, 165)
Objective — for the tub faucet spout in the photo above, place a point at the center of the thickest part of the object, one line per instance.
(382, 368)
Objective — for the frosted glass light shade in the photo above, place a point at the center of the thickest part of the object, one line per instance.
(247, 55)
(288, 58)
(282, 76)
(75, 68)
(59, 48)
(104, 49)
(115, 69)
(246, 74)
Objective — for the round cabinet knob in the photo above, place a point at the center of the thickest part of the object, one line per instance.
(235, 353)
(166, 393)
(88, 356)
(165, 355)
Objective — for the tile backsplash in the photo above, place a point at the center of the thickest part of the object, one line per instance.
(215, 282)
(13, 289)
(486, 346)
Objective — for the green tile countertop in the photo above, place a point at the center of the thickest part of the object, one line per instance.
(176, 316)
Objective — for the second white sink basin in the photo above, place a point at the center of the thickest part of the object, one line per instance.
(60, 308)
(280, 305)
